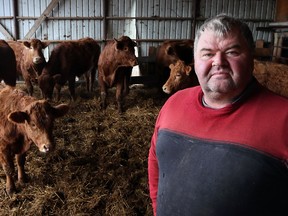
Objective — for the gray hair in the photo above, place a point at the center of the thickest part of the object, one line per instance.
(221, 25)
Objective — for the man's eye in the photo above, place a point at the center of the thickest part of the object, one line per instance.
(207, 55)
(232, 53)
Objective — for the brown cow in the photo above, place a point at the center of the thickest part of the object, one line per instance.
(68, 60)
(24, 120)
(168, 53)
(30, 60)
(7, 64)
(181, 76)
(114, 69)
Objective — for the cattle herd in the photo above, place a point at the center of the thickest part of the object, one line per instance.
(26, 119)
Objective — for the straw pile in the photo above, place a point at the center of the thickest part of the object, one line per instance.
(99, 166)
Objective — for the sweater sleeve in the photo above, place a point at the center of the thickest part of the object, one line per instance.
(153, 171)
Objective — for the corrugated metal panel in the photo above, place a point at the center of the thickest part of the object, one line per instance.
(6, 11)
(256, 13)
(58, 28)
(155, 20)
(170, 27)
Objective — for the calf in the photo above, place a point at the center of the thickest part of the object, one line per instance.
(169, 52)
(181, 76)
(7, 64)
(68, 60)
(30, 60)
(114, 69)
(24, 120)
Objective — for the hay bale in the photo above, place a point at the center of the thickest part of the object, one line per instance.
(272, 75)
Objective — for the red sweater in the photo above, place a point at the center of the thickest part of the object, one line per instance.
(202, 153)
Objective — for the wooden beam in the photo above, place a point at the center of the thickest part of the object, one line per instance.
(43, 16)
(5, 33)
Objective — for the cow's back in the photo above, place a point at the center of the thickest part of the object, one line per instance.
(106, 55)
(7, 64)
(11, 99)
(73, 58)
(18, 49)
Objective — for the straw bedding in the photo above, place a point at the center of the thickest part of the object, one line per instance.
(99, 166)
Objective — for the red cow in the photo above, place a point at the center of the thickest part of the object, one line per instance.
(24, 120)
(30, 60)
(168, 53)
(114, 68)
(181, 76)
(68, 60)
(7, 64)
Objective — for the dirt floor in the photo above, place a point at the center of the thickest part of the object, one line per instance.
(99, 166)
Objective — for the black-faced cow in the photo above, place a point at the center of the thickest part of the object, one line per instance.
(68, 60)
(168, 53)
(115, 67)
(24, 121)
(30, 60)
(181, 76)
(7, 64)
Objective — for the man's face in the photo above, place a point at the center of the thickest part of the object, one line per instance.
(224, 65)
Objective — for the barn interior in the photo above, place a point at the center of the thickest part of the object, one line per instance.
(99, 166)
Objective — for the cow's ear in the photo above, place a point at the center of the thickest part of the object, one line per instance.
(188, 69)
(119, 45)
(171, 66)
(170, 51)
(18, 117)
(27, 44)
(134, 44)
(59, 110)
(45, 44)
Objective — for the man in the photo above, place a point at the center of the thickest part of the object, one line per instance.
(221, 148)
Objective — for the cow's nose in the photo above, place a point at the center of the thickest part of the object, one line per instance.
(45, 148)
(165, 89)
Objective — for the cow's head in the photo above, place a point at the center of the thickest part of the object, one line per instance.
(35, 53)
(182, 50)
(37, 120)
(179, 77)
(46, 83)
(125, 52)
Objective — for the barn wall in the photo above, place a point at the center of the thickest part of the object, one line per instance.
(148, 21)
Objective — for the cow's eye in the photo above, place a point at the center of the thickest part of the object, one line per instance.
(125, 49)
(33, 125)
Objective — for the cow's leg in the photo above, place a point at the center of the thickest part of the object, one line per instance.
(126, 81)
(119, 96)
(8, 167)
(57, 92)
(92, 78)
(87, 78)
(71, 86)
(20, 161)
(103, 92)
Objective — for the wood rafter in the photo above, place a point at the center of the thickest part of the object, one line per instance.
(40, 20)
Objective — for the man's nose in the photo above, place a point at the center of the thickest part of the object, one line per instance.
(219, 59)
